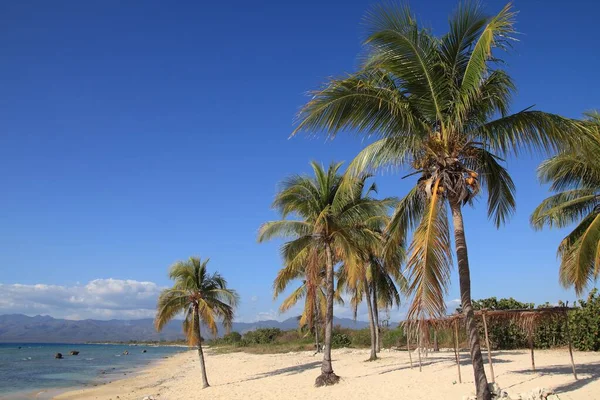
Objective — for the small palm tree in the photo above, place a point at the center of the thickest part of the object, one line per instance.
(312, 290)
(203, 298)
(441, 107)
(329, 223)
(377, 285)
(386, 282)
(575, 174)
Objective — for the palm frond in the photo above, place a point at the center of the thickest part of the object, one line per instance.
(563, 209)
(430, 261)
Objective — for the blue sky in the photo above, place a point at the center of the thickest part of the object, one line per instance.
(136, 134)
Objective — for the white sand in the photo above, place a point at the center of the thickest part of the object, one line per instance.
(291, 376)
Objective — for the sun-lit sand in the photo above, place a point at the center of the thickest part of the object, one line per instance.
(291, 376)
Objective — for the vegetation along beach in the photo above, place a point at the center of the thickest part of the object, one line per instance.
(417, 228)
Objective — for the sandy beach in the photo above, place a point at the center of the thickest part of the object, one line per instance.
(291, 376)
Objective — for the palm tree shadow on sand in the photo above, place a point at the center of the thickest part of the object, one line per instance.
(590, 370)
(296, 369)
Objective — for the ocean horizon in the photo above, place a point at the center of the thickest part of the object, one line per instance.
(27, 369)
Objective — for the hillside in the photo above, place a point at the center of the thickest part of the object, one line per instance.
(43, 329)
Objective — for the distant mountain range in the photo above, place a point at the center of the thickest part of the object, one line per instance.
(19, 328)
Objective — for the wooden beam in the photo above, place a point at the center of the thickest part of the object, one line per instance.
(408, 347)
(487, 344)
(531, 348)
(569, 341)
(456, 350)
(419, 343)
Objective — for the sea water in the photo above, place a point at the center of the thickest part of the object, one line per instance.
(29, 367)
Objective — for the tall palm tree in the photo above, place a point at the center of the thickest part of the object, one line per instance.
(203, 298)
(440, 106)
(575, 175)
(329, 222)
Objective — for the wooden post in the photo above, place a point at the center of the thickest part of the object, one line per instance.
(419, 343)
(456, 350)
(569, 340)
(487, 344)
(436, 346)
(531, 347)
(408, 348)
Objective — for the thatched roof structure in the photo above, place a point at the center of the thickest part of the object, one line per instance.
(529, 319)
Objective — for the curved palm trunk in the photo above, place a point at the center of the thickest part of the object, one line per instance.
(372, 329)
(481, 383)
(327, 376)
(376, 319)
(200, 352)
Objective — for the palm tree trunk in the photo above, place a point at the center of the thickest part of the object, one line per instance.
(200, 352)
(327, 376)
(376, 319)
(481, 383)
(372, 329)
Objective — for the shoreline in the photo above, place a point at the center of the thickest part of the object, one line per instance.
(291, 375)
(104, 376)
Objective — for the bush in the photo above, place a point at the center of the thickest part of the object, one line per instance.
(361, 338)
(340, 340)
(392, 337)
(585, 323)
(232, 338)
(262, 336)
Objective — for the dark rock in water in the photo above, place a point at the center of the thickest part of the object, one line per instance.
(144, 351)
(74, 353)
(58, 355)
(19, 347)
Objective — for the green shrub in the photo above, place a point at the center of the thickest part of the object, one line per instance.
(585, 323)
(393, 337)
(262, 336)
(339, 340)
(361, 338)
(232, 338)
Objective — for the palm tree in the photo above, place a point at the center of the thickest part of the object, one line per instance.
(575, 174)
(312, 290)
(329, 222)
(384, 276)
(203, 298)
(440, 106)
(378, 284)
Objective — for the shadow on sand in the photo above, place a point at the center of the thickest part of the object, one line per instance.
(590, 370)
(296, 369)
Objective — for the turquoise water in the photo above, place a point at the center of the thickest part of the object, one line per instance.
(30, 367)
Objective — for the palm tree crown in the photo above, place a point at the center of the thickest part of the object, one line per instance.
(575, 174)
(201, 296)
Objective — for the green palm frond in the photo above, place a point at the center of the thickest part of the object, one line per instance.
(500, 187)
(409, 53)
(565, 208)
(529, 130)
(580, 254)
(572, 169)
(575, 174)
(496, 34)
(283, 229)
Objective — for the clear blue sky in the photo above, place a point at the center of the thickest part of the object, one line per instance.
(134, 134)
